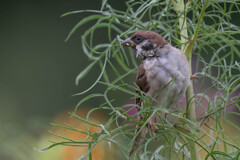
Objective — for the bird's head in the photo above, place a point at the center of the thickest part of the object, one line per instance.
(145, 43)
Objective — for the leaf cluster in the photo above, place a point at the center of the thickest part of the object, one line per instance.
(216, 48)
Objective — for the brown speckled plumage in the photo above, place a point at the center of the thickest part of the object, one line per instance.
(141, 81)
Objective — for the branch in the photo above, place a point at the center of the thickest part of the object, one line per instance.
(187, 47)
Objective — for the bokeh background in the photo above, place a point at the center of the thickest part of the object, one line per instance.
(38, 71)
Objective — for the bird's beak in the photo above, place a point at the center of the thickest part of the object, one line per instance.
(128, 42)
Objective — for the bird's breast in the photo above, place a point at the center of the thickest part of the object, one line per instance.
(169, 72)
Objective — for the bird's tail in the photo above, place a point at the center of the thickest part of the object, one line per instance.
(138, 141)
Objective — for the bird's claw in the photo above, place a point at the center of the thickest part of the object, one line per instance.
(152, 126)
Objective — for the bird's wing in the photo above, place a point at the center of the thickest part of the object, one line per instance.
(141, 82)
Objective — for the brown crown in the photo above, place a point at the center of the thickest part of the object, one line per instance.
(152, 37)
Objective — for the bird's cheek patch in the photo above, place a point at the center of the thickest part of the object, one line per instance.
(148, 46)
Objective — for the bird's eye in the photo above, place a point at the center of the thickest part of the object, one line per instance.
(138, 39)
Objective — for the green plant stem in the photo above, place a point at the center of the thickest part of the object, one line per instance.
(187, 49)
(90, 154)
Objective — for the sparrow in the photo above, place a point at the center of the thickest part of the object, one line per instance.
(163, 74)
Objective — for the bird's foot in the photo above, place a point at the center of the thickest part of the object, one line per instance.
(152, 127)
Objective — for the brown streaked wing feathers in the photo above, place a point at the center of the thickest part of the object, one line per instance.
(142, 83)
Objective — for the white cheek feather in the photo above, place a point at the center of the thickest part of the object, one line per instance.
(139, 51)
(143, 53)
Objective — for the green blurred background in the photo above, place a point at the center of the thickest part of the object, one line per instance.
(38, 69)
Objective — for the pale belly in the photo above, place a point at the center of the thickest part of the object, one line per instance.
(168, 82)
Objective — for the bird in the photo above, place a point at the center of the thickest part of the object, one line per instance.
(163, 74)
